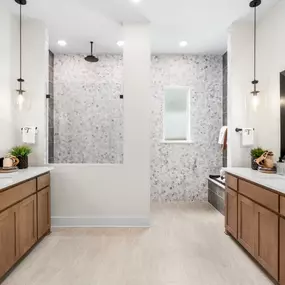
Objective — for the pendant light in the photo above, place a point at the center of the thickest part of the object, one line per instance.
(22, 96)
(91, 57)
(254, 4)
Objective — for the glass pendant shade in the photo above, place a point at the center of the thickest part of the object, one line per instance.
(22, 101)
(255, 102)
(255, 93)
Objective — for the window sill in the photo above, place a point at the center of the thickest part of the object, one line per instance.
(176, 142)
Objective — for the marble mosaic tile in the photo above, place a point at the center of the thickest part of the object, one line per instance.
(89, 119)
(88, 110)
(179, 171)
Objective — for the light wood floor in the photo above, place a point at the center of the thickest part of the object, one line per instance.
(186, 245)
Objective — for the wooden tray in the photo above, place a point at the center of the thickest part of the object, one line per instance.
(267, 170)
(8, 170)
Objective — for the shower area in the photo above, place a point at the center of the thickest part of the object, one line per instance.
(85, 109)
(216, 188)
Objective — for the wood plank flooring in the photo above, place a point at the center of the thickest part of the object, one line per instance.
(186, 245)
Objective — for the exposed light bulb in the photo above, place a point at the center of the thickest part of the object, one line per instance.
(255, 102)
(183, 44)
(20, 101)
(62, 43)
(120, 43)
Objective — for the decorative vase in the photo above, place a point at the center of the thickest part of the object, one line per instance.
(254, 165)
(23, 162)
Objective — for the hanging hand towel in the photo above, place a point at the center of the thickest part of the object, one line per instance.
(29, 135)
(223, 137)
(247, 137)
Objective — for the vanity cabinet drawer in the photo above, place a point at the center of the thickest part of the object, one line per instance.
(17, 193)
(232, 182)
(43, 181)
(282, 205)
(259, 195)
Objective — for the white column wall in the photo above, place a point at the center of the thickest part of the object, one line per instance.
(240, 74)
(8, 78)
(270, 62)
(35, 74)
(114, 195)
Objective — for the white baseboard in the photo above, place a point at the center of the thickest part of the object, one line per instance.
(96, 222)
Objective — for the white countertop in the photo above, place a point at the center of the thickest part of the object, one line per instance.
(272, 181)
(10, 179)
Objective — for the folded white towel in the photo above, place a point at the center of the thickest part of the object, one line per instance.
(222, 135)
(29, 135)
(247, 137)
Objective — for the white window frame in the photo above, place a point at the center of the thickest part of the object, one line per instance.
(189, 139)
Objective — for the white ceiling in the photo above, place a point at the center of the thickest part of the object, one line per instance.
(202, 23)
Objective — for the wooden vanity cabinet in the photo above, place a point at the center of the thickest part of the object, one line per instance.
(246, 220)
(261, 224)
(24, 219)
(231, 212)
(27, 224)
(43, 197)
(266, 240)
(282, 251)
(8, 246)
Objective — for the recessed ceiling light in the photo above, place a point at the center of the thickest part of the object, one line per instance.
(136, 1)
(62, 43)
(120, 43)
(183, 44)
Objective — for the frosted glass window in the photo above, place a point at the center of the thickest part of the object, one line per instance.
(177, 114)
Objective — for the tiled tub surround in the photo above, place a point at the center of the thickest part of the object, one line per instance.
(88, 110)
(89, 119)
(179, 171)
(216, 195)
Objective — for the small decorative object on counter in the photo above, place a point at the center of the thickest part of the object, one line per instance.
(10, 161)
(255, 154)
(265, 163)
(22, 152)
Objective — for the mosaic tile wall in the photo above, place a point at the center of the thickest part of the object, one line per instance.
(225, 101)
(88, 110)
(89, 119)
(51, 109)
(180, 171)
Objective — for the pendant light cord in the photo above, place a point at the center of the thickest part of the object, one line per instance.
(254, 46)
(20, 79)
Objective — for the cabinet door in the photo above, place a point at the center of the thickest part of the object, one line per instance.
(246, 221)
(27, 224)
(282, 251)
(231, 212)
(266, 239)
(8, 246)
(43, 212)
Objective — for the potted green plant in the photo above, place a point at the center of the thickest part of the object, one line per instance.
(22, 152)
(256, 153)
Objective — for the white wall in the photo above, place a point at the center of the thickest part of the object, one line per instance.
(239, 88)
(271, 55)
(35, 74)
(114, 195)
(270, 62)
(8, 78)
